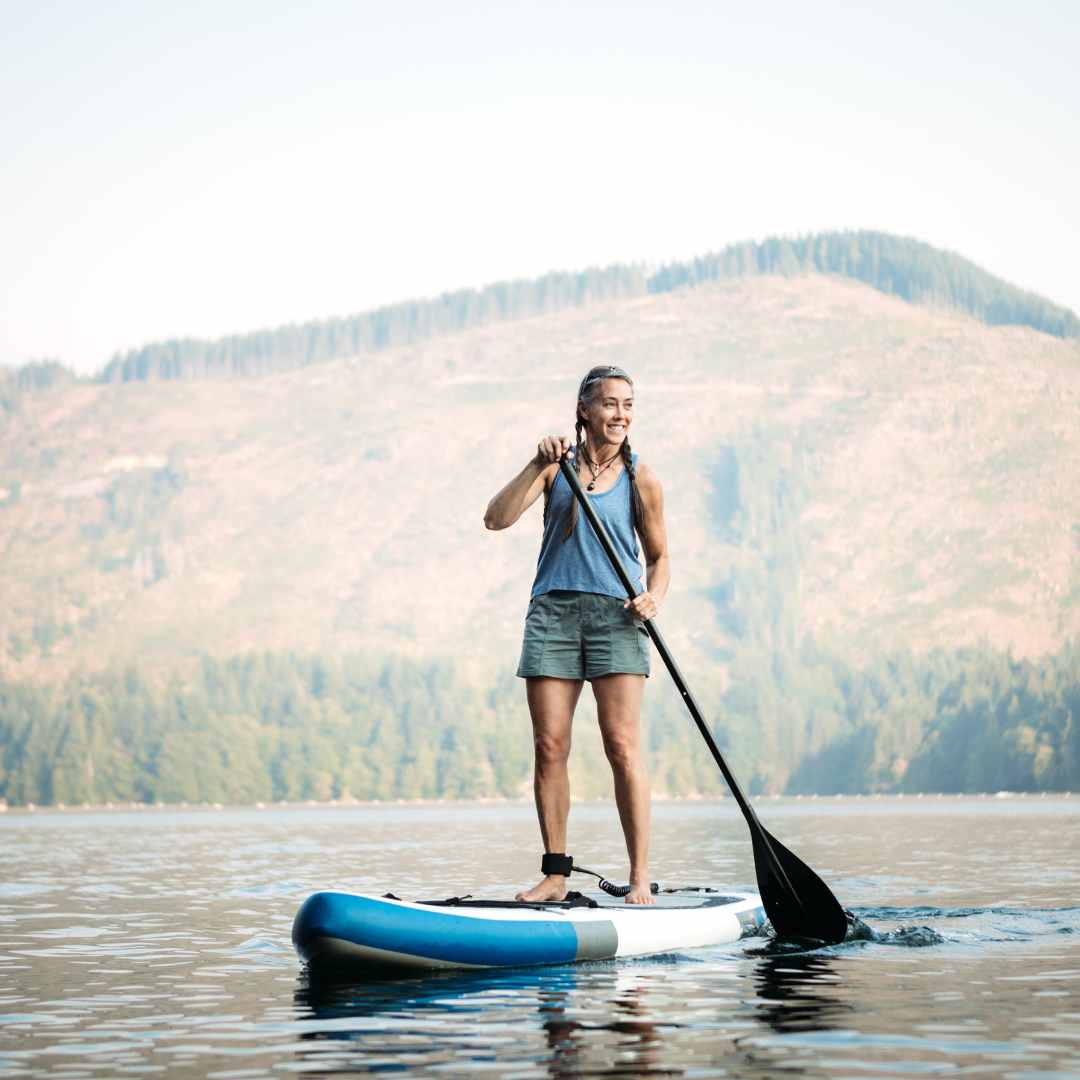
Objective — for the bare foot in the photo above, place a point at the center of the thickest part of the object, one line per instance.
(640, 893)
(552, 887)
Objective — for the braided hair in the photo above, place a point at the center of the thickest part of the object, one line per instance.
(587, 391)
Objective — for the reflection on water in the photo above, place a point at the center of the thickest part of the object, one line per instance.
(793, 993)
(588, 1016)
(160, 943)
(581, 1013)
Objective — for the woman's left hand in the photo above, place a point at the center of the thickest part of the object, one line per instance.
(644, 605)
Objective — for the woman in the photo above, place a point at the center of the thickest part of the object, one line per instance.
(580, 626)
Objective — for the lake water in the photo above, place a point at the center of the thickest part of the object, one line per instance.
(158, 942)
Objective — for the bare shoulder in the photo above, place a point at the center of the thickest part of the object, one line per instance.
(548, 474)
(647, 481)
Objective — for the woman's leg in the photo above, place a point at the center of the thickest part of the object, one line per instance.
(618, 707)
(551, 705)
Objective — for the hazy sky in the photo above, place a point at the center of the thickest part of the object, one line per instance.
(221, 166)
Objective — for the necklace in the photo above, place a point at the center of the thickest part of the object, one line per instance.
(598, 469)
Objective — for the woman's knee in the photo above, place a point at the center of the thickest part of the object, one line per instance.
(551, 747)
(623, 751)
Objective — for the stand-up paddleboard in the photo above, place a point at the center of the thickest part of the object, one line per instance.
(356, 933)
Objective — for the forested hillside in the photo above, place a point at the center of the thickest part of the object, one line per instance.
(872, 508)
(899, 266)
(262, 728)
(33, 376)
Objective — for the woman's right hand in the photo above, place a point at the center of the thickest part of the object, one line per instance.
(550, 449)
(517, 496)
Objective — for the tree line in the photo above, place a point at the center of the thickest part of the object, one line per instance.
(899, 266)
(283, 726)
(321, 340)
(267, 726)
(29, 377)
(974, 720)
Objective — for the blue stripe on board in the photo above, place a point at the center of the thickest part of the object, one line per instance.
(437, 935)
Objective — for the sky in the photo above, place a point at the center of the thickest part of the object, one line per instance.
(215, 167)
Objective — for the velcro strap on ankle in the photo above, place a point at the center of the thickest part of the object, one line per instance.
(556, 864)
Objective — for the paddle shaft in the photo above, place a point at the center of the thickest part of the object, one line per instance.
(571, 477)
(805, 910)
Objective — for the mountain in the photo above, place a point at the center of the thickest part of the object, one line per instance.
(898, 266)
(847, 475)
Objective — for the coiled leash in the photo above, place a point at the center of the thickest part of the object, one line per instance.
(564, 865)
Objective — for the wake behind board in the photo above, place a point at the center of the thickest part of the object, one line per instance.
(354, 933)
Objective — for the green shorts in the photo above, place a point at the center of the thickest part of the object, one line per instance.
(578, 635)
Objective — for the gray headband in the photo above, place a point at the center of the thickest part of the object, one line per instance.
(598, 375)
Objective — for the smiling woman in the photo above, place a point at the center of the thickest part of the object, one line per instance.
(580, 626)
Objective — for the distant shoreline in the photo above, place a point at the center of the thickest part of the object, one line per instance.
(390, 804)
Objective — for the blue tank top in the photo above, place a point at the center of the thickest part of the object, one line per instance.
(579, 563)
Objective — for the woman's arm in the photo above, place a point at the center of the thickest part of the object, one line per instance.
(514, 499)
(654, 541)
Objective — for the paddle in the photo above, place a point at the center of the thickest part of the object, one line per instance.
(798, 903)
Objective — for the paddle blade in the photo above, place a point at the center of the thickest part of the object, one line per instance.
(799, 904)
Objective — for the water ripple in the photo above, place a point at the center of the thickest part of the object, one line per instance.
(160, 943)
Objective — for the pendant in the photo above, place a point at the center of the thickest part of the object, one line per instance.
(590, 486)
